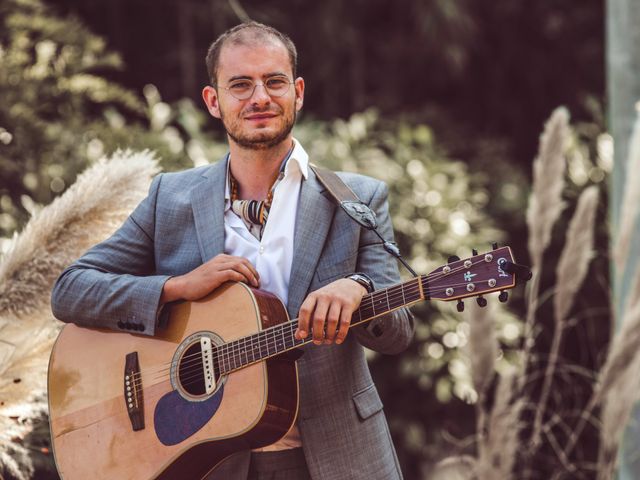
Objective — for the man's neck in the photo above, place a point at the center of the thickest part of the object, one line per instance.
(256, 170)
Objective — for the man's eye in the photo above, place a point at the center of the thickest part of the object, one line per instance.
(276, 83)
(239, 86)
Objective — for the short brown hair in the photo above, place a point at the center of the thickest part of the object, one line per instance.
(241, 34)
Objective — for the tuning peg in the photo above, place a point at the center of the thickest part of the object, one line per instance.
(504, 296)
(474, 252)
(453, 258)
(482, 302)
(494, 245)
(460, 306)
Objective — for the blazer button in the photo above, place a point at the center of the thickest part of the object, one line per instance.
(120, 324)
(141, 327)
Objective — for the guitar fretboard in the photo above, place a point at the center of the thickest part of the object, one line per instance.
(275, 340)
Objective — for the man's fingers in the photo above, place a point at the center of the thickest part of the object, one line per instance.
(240, 264)
(345, 323)
(304, 316)
(333, 317)
(319, 316)
(247, 273)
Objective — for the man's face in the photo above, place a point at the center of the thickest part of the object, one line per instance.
(261, 121)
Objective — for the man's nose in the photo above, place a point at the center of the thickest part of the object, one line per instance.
(260, 94)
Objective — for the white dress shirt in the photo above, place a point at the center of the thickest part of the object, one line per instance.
(272, 255)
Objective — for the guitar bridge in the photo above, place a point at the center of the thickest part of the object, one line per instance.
(133, 391)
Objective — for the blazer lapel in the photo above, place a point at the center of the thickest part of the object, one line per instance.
(313, 219)
(207, 203)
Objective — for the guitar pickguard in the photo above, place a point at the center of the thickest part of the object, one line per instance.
(175, 418)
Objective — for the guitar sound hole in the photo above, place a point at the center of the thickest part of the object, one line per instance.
(190, 372)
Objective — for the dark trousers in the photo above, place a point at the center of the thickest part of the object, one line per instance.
(281, 465)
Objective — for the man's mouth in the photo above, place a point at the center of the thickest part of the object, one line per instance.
(260, 116)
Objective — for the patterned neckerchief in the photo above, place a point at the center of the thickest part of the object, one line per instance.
(254, 213)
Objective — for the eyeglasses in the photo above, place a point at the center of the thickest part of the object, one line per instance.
(243, 89)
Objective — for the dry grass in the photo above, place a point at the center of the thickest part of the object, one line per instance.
(570, 274)
(499, 442)
(576, 254)
(483, 345)
(85, 214)
(545, 202)
(630, 208)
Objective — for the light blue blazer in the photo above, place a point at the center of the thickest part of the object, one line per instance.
(117, 284)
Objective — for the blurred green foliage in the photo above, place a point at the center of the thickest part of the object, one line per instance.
(59, 112)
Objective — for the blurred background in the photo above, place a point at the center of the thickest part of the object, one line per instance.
(445, 100)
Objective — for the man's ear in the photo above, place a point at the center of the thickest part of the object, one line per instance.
(210, 97)
(299, 86)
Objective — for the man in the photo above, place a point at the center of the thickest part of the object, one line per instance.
(260, 216)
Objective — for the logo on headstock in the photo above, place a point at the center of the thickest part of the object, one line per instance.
(468, 276)
(501, 273)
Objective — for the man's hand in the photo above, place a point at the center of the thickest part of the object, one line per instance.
(209, 276)
(328, 311)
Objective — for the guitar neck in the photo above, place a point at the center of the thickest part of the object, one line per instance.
(281, 338)
(485, 273)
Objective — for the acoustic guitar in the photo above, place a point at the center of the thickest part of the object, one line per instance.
(219, 379)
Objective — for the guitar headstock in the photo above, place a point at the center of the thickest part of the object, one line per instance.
(474, 276)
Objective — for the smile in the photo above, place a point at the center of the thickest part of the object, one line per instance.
(260, 116)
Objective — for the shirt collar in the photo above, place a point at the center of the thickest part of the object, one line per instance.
(298, 162)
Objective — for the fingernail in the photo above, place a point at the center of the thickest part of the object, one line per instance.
(317, 342)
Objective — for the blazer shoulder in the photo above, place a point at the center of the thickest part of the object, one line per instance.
(363, 186)
(185, 178)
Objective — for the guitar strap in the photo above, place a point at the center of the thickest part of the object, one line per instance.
(356, 209)
(346, 198)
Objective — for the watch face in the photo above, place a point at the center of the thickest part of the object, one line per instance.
(362, 280)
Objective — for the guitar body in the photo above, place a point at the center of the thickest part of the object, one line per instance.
(166, 423)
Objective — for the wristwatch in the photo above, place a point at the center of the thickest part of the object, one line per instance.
(362, 279)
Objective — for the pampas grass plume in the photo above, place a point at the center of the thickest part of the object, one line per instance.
(545, 203)
(88, 212)
(576, 254)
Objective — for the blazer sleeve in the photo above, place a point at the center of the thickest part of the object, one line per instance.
(390, 333)
(114, 285)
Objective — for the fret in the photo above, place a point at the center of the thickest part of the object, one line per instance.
(253, 350)
(283, 345)
(386, 291)
(404, 300)
(221, 364)
(233, 355)
(244, 351)
(267, 341)
(227, 359)
(373, 307)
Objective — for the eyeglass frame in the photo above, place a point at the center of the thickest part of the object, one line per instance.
(263, 84)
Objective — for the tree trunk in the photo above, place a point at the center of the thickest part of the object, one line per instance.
(623, 84)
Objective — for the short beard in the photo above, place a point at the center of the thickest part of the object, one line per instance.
(265, 144)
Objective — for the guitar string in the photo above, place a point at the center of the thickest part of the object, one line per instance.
(292, 326)
(239, 356)
(234, 350)
(261, 339)
(413, 283)
(228, 348)
(281, 340)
